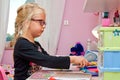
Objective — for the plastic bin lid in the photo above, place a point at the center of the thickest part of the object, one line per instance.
(102, 69)
(109, 48)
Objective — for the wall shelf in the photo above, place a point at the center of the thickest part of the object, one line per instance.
(101, 5)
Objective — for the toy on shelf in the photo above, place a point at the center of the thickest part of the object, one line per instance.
(116, 18)
(91, 55)
(77, 49)
(105, 19)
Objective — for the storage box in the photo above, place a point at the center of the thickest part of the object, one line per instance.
(106, 22)
(109, 59)
(109, 37)
(109, 74)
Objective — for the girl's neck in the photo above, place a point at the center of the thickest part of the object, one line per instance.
(28, 37)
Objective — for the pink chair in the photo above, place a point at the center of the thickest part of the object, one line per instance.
(2, 74)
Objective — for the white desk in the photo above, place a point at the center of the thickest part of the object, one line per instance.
(45, 74)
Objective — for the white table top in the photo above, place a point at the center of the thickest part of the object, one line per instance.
(76, 75)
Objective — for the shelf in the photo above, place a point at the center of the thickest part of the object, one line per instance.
(109, 28)
(101, 5)
(109, 48)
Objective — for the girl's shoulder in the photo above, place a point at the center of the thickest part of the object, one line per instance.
(23, 42)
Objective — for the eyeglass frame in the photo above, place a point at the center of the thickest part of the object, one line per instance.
(41, 22)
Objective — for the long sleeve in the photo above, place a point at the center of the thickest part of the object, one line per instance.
(29, 52)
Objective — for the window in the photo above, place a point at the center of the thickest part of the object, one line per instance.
(14, 4)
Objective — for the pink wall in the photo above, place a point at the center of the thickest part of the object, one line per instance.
(79, 28)
(8, 57)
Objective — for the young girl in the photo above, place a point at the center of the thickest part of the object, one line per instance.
(29, 24)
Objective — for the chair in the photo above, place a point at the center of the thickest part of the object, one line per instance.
(2, 74)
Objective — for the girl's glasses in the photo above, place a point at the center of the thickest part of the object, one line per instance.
(41, 22)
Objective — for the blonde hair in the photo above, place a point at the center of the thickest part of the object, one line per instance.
(24, 12)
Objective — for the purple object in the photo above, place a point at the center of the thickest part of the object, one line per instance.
(77, 49)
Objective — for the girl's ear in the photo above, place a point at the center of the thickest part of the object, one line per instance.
(26, 23)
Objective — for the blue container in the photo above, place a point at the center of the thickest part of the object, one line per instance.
(109, 73)
(102, 69)
(111, 59)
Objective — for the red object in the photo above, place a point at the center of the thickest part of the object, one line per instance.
(116, 14)
(52, 78)
(94, 70)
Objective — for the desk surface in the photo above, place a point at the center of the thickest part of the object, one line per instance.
(45, 74)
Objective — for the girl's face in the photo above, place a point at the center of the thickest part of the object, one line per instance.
(37, 24)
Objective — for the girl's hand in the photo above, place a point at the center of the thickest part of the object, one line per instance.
(79, 60)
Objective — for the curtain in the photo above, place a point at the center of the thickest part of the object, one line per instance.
(4, 13)
(54, 11)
